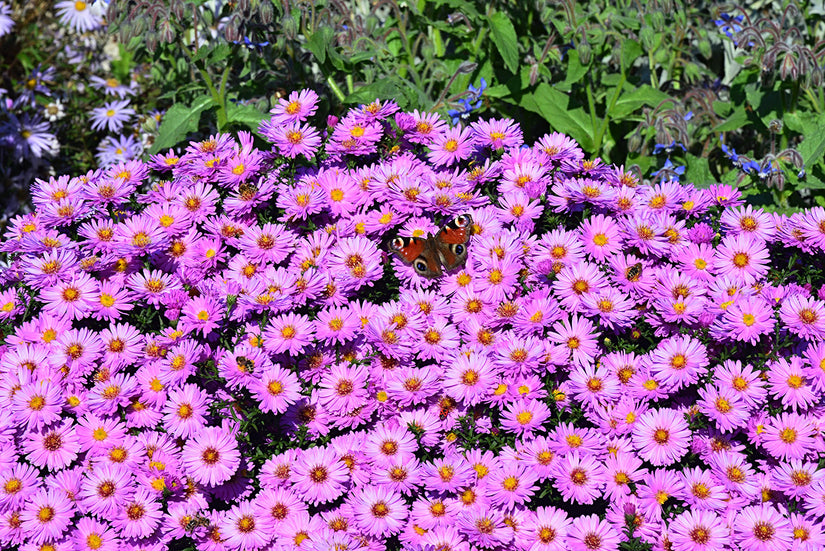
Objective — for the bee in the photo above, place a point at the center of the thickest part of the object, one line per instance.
(633, 273)
(245, 364)
(197, 522)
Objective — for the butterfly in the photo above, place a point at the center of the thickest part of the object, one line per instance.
(446, 248)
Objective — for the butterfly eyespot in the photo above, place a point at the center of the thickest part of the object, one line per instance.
(397, 243)
(461, 221)
(420, 266)
(458, 249)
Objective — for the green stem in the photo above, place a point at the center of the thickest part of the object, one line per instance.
(610, 106)
(335, 89)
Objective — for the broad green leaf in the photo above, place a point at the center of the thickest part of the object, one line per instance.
(631, 49)
(575, 70)
(629, 102)
(697, 171)
(554, 107)
(813, 146)
(739, 119)
(505, 39)
(178, 122)
(383, 89)
(318, 42)
(244, 114)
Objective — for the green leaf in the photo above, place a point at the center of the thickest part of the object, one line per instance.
(631, 49)
(739, 119)
(388, 88)
(554, 107)
(813, 146)
(506, 41)
(575, 70)
(178, 122)
(631, 101)
(698, 172)
(244, 114)
(318, 42)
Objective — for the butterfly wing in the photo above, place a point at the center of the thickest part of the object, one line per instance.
(452, 241)
(421, 254)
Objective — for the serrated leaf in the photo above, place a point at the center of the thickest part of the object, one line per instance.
(178, 122)
(505, 39)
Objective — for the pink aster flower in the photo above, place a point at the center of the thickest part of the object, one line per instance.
(378, 511)
(470, 378)
(601, 236)
(789, 383)
(276, 389)
(788, 436)
(724, 407)
(38, 403)
(661, 436)
(93, 535)
(319, 476)
(298, 106)
(547, 530)
(497, 133)
(579, 478)
(698, 531)
(747, 319)
(71, 297)
(743, 258)
(211, 456)
(46, 515)
(293, 139)
(450, 146)
(525, 417)
(679, 361)
(578, 335)
(485, 528)
(52, 447)
(344, 388)
(512, 484)
(185, 410)
(579, 279)
(139, 515)
(289, 333)
(245, 527)
(588, 533)
(804, 316)
(762, 528)
(202, 313)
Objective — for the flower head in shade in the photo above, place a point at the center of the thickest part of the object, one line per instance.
(211, 456)
(661, 436)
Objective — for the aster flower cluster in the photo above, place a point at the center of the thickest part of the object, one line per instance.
(213, 347)
(42, 109)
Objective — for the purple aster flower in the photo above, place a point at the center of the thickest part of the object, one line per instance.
(211, 456)
(113, 115)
